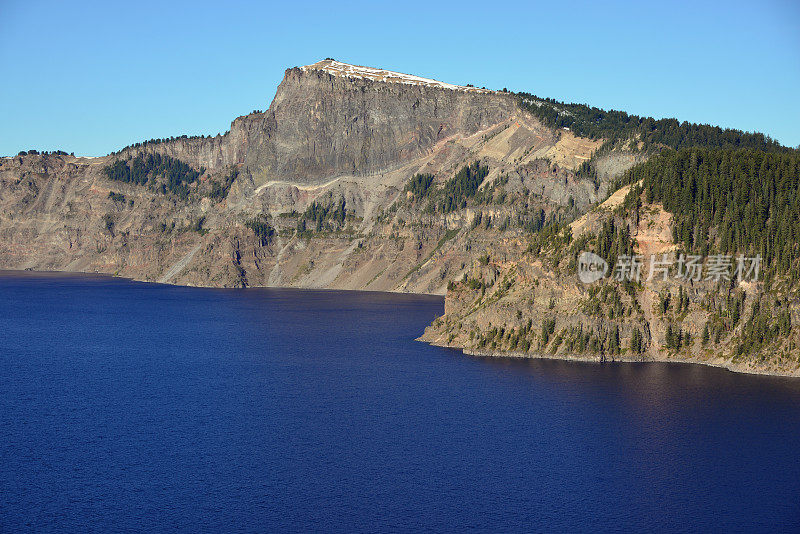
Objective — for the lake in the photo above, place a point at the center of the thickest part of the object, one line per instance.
(132, 406)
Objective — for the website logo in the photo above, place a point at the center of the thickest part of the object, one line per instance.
(591, 267)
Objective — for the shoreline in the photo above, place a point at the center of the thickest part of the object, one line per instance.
(13, 272)
(727, 365)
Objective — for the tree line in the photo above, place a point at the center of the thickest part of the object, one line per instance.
(160, 140)
(613, 125)
(457, 190)
(729, 201)
(44, 153)
(159, 172)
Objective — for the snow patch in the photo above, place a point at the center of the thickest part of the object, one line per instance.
(337, 68)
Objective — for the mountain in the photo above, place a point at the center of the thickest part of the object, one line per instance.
(362, 178)
(715, 232)
(333, 133)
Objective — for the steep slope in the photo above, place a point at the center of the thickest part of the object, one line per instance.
(363, 178)
(334, 133)
(736, 307)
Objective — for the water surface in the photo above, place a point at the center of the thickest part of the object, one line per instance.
(129, 406)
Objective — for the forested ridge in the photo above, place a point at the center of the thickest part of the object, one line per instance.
(159, 141)
(728, 201)
(616, 126)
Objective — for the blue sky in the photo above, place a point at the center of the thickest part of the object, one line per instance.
(91, 77)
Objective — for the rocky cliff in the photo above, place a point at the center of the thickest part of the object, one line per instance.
(361, 178)
(325, 122)
(524, 301)
(334, 132)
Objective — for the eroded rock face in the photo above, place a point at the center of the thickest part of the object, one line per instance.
(321, 125)
(332, 132)
(338, 134)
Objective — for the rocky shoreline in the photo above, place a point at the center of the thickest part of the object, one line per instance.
(721, 363)
(466, 193)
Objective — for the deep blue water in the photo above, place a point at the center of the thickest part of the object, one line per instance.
(128, 406)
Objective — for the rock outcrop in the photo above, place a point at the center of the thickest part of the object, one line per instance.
(534, 305)
(361, 178)
(333, 131)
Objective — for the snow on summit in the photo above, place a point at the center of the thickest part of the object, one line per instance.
(337, 68)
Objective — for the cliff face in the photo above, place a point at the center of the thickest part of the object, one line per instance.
(359, 178)
(334, 133)
(322, 125)
(521, 303)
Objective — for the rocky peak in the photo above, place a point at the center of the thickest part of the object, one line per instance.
(337, 68)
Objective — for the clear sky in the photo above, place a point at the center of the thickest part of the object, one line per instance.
(92, 77)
